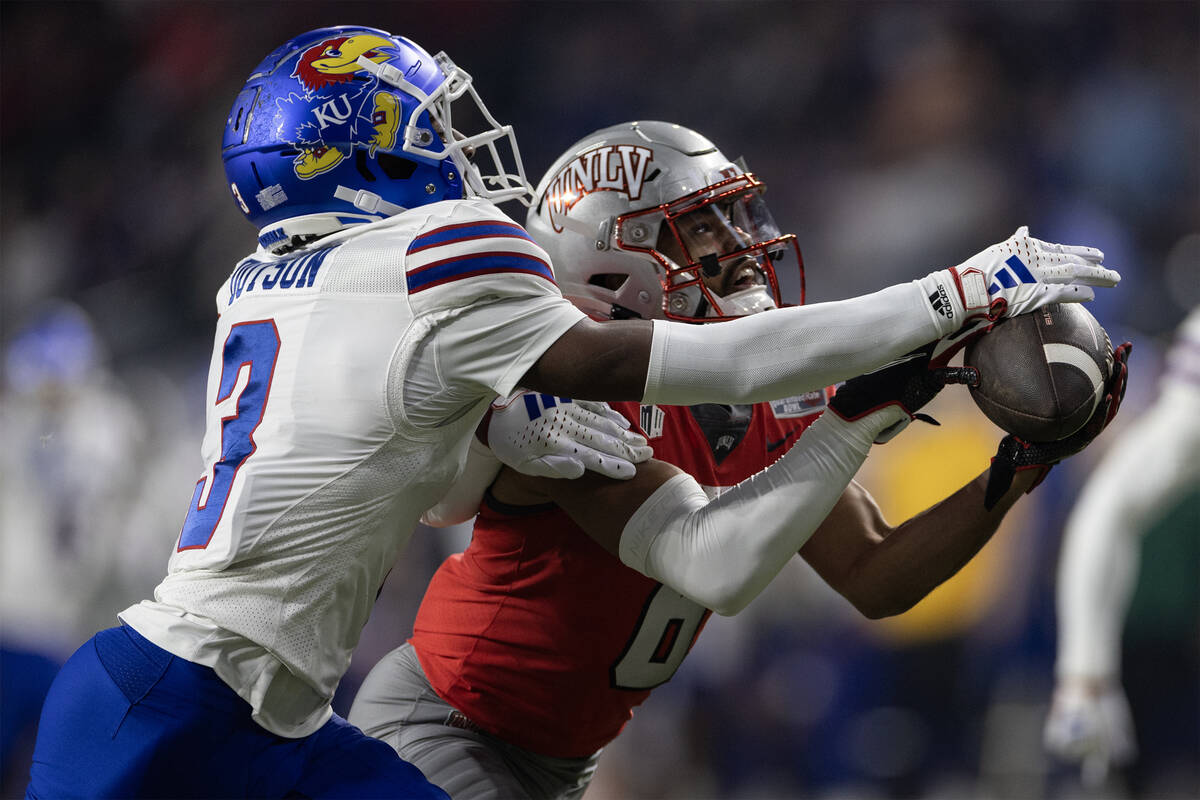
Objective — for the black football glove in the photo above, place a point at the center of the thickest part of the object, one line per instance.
(907, 382)
(1016, 454)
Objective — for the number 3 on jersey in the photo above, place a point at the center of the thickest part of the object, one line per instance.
(663, 636)
(250, 350)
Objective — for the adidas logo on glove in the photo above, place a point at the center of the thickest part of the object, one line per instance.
(1016, 273)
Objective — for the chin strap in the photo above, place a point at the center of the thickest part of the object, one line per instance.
(367, 201)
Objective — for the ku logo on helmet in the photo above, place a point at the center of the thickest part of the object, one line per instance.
(340, 110)
(607, 168)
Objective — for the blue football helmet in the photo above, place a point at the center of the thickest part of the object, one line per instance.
(347, 125)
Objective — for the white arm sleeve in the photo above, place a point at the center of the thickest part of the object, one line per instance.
(461, 503)
(722, 554)
(1149, 467)
(788, 351)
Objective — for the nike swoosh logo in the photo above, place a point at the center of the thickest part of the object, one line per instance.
(772, 446)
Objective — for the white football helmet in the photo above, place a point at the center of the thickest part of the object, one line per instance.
(649, 219)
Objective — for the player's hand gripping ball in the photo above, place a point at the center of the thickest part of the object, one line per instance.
(909, 382)
(1016, 454)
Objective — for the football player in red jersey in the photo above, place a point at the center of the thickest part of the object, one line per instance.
(532, 647)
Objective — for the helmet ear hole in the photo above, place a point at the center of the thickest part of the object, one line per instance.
(257, 177)
(360, 162)
(609, 280)
(395, 167)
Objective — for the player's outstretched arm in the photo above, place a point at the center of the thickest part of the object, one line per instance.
(1149, 467)
(724, 552)
(884, 570)
(793, 350)
(719, 553)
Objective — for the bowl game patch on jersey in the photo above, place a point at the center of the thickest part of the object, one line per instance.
(801, 405)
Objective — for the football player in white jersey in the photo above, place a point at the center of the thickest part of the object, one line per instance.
(356, 351)
(532, 647)
(1148, 469)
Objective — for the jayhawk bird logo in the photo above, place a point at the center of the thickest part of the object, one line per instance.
(337, 112)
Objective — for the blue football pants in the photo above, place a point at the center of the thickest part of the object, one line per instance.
(125, 718)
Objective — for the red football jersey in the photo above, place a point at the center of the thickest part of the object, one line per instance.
(540, 636)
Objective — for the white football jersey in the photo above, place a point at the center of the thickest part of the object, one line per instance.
(346, 381)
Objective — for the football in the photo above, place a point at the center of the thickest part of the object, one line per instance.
(1042, 374)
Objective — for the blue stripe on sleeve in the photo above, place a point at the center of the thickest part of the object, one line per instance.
(466, 231)
(453, 269)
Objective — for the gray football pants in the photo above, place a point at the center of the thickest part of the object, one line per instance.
(397, 704)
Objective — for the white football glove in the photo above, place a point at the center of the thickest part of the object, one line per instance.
(1091, 725)
(1013, 277)
(555, 437)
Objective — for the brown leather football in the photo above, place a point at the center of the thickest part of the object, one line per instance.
(1042, 374)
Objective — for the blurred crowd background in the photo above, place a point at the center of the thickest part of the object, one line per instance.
(896, 137)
